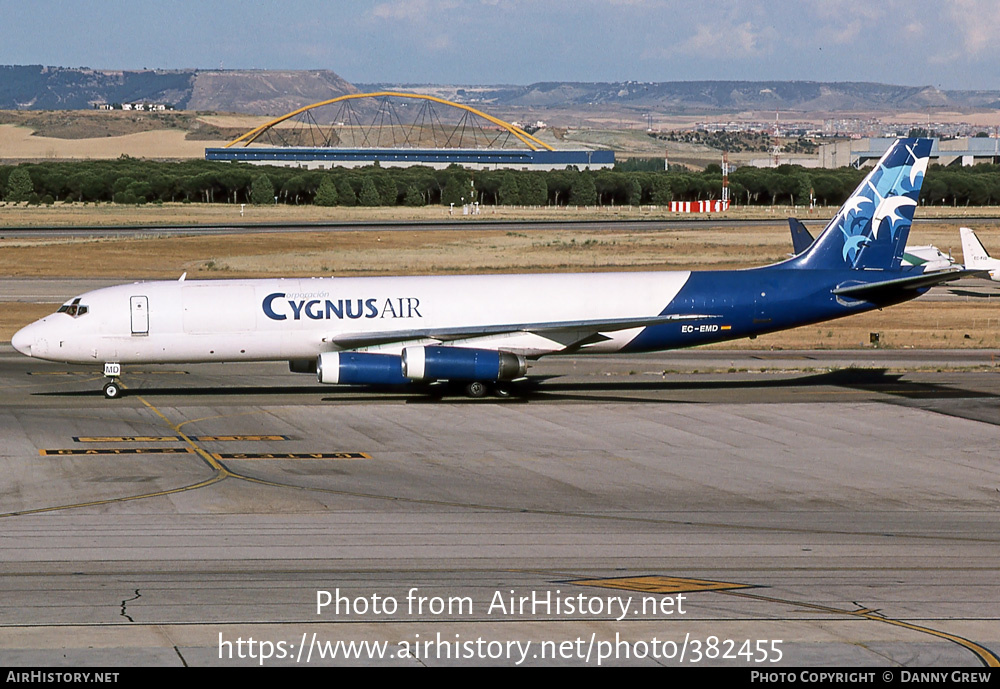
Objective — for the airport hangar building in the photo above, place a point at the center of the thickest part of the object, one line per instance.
(495, 144)
(476, 159)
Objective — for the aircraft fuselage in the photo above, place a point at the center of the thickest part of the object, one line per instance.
(293, 319)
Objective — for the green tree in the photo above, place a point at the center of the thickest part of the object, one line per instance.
(610, 187)
(369, 196)
(92, 187)
(345, 192)
(388, 193)
(559, 183)
(234, 183)
(687, 187)
(454, 190)
(533, 189)
(161, 187)
(583, 192)
(828, 188)
(125, 198)
(19, 185)
(294, 188)
(130, 191)
(262, 191)
(660, 193)
(509, 192)
(424, 180)
(413, 196)
(327, 195)
(121, 184)
(634, 190)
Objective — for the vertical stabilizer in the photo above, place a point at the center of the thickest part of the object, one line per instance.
(975, 256)
(870, 230)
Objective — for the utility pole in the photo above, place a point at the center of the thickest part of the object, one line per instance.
(776, 151)
(725, 180)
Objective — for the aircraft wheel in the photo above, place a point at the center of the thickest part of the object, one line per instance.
(112, 390)
(476, 389)
(501, 390)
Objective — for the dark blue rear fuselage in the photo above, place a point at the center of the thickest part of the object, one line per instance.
(747, 303)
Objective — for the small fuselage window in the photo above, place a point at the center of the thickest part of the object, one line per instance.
(74, 308)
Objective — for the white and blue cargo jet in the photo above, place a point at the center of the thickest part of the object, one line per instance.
(480, 330)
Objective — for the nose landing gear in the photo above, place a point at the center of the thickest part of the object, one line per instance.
(113, 389)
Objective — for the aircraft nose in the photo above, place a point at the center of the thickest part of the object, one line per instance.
(22, 340)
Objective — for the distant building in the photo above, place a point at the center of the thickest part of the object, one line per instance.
(861, 152)
(143, 107)
(787, 159)
(473, 158)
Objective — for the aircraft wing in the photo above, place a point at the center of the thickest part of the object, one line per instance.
(873, 290)
(567, 332)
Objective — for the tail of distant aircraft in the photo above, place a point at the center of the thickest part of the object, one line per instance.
(975, 255)
(869, 231)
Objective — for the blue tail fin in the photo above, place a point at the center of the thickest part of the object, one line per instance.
(869, 231)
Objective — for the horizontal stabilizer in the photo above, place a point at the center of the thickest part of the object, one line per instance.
(802, 238)
(871, 291)
(355, 340)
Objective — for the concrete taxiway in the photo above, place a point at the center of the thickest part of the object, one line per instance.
(839, 509)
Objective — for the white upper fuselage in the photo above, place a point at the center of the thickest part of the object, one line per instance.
(286, 319)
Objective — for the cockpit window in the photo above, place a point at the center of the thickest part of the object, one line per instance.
(74, 308)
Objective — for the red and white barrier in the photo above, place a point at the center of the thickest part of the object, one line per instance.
(698, 206)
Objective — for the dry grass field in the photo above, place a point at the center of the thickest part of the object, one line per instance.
(115, 215)
(973, 323)
(21, 143)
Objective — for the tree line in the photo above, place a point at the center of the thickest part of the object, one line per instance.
(133, 181)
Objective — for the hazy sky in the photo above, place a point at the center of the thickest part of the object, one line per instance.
(946, 43)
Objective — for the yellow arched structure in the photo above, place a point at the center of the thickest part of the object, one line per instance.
(528, 140)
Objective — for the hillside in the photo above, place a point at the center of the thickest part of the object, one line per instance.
(275, 92)
(34, 87)
(702, 97)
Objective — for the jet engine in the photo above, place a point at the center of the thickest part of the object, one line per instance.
(458, 363)
(360, 368)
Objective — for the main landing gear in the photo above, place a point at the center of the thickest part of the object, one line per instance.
(475, 389)
(113, 389)
(478, 389)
